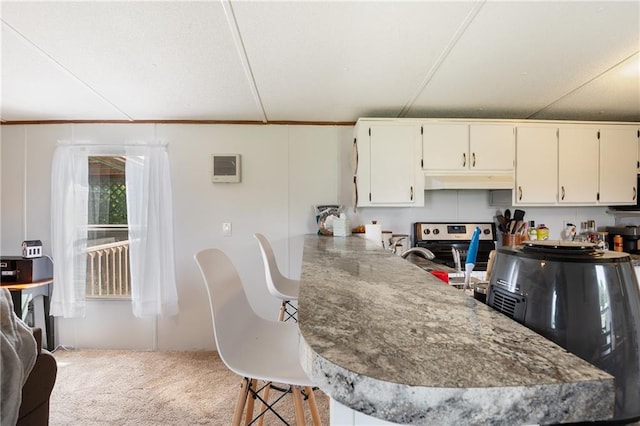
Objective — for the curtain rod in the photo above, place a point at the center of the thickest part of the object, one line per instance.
(115, 145)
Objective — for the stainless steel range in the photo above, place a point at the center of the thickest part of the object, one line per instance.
(446, 240)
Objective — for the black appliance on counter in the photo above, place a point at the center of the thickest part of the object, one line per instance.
(17, 269)
(585, 300)
(630, 238)
(441, 237)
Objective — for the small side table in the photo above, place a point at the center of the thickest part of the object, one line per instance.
(38, 288)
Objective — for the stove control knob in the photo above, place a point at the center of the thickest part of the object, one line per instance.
(487, 231)
(426, 231)
(436, 231)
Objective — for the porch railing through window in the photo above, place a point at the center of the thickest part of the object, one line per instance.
(108, 273)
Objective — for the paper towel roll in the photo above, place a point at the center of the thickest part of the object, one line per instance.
(373, 232)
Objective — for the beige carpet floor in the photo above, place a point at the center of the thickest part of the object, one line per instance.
(97, 387)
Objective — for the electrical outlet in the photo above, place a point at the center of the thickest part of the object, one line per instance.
(226, 229)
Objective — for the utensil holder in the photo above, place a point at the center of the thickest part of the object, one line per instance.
(511, 240)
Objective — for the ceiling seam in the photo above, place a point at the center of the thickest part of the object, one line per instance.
(62, 67)
(583, 85)
(242, 53)
(440, 60)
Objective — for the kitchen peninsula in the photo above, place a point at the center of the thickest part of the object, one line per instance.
(385, 339)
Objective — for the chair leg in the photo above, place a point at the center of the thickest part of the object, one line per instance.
(293, 315)
(265, 397)
(283, 309)
(297, 402)
(250, 402)
(240, 403)
(313, 407)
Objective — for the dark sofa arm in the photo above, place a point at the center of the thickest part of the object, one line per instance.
(34, 409)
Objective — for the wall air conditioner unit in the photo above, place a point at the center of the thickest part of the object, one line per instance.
(225, 168)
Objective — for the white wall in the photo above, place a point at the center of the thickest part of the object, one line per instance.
(286, 170)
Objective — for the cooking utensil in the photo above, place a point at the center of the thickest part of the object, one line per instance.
(471, 256)
(518, 214)
(502, 223)
(473, 246)
(492, 255)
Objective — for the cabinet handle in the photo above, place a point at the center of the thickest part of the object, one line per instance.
(473, 159)
(355, 190)
(412, 193)
(519, 193)
(635, 193)
(464, 159)
(562, 193)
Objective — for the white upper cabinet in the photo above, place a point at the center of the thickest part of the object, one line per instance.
(545, 163)
(536, 176)
(491, 147)
(578, 150)
(576, 164)
(389, 171)
(618, 164)
(467, 147)
(445, 146)
(638, 145)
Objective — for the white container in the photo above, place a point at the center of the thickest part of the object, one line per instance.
(341, 227)
(373, 232)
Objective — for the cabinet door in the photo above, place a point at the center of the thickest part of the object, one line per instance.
(445, 146)
(578, 165)
(618, 164)
(638, 147)
(536, 165)
(392, 163)
(491, 147)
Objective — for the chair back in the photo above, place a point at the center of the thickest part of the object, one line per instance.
(271, 270)
(231, 311)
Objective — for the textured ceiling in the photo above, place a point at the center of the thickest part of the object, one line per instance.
(319, 61)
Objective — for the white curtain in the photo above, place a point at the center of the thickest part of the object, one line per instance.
(150, 217)
(150, 220)
(69, 201)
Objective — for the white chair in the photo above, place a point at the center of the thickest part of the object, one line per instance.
(281, 287)
(252, 346)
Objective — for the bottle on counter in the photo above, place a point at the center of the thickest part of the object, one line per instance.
(542, 232)
(591, 231)
(601, 241)
(532, 231)
(617, 243)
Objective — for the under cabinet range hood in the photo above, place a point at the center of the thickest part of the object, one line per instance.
(468, 181)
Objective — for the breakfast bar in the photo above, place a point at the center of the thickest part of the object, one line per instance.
(388, 341)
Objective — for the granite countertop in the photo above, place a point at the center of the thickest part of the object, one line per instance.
(383, 337)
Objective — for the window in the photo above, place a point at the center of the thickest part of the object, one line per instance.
(108, 274)
(146, 259)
